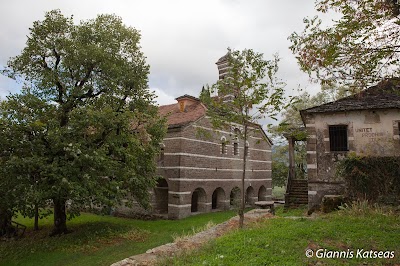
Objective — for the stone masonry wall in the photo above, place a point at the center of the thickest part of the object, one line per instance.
(370, 132)
(195, 168)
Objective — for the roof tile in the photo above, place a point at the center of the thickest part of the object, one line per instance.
(384, 95)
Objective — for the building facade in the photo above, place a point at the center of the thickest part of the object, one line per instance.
(366, 123)
(202, 167)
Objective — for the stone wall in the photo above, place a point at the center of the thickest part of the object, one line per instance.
(195, 168)
(370, 132)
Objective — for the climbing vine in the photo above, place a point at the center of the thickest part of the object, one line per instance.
(374, 178)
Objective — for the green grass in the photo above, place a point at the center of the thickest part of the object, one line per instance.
(97, 240)
(278, 193)
(283, 241)
(301, 211)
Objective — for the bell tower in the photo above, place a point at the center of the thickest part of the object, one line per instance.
(223, 70)
(223, 66)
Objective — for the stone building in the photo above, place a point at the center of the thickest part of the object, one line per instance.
(365, 123)
(202, 167)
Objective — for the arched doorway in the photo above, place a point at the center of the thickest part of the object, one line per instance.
(250, 195)
(218, 199)
(198, 200)
(161, 197)
(262, 193)
(234, 198)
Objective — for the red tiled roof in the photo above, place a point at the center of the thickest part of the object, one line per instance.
(175, 117)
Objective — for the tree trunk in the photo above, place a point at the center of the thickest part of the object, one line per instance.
(60, 218)
(242, 203)
(36, 225)
(6, 229)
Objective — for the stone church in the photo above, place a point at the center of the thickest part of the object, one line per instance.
(202, 172)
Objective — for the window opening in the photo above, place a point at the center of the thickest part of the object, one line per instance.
(162, 151)
(235, 148)
(338, 138)
(223, 146)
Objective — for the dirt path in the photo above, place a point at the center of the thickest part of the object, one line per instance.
(152, 256)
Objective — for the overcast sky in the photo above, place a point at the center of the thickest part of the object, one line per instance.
(182, 40)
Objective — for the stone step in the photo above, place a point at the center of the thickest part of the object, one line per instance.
(298, 193)
(303, 201)
(299, 182)
(299, 189)
(300, 186)
(299, 197)
(297, 200)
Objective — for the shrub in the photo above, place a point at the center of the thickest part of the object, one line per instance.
(376, 179)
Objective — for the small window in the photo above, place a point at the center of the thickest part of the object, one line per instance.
(338, 138)
(235, 148)
(398, 128)
(223, 145)
(162, 151)
(247, 148)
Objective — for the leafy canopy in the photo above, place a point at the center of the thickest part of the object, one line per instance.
(292, 125)
(85, 128)
(250, 91)
(359, 49)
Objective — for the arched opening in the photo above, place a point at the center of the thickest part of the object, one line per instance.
(223, 146)
(218, 199)
(235, 148)
(198, 200)
(250, 195)
(161, 197)
(262, 193)
(234, 198)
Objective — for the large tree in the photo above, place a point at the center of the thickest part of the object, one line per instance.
(100, 131)
(358, 49)
(249, 92)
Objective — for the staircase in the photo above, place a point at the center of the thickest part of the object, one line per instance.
(297, 193)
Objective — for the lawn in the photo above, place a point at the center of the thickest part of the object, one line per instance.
(284, 241)
(97, 240)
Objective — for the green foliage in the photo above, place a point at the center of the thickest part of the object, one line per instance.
(280, 162)
(278, 192)
(279, 173)
(352, 50)
(252, 83)
(291, 118)
(291, 125)
(373, 178)
(85, 129)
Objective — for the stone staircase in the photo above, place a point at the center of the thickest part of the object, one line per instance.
(297, 193)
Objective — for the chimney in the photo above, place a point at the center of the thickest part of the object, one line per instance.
(185, 101)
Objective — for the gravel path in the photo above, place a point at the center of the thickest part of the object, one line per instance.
(152, 256)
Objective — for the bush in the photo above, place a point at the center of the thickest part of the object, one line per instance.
(376, 179)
